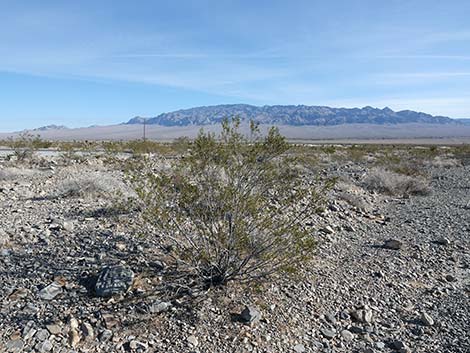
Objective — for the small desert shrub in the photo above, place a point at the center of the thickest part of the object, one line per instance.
(232, 208)
(354, 200)
(24, 146)
(391, 183)
(444, 162)
(92, 185)
(14, 174)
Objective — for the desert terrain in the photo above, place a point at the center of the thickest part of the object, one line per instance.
(390, 270)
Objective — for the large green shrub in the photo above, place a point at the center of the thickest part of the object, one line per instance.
(231, 208)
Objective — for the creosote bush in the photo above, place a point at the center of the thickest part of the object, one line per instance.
(25, 145)
(232, 208)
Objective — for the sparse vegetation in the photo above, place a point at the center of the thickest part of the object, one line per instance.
(232, 209)
(391, 183)
(25, 146)
(96, 184)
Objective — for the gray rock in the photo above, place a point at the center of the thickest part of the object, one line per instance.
(105, 335)
(426, 319)
(50, 292)
(328, 333)
(54, 329)
(331, 318)
(87, 331)
(250, 315)
(443, 241)
(393, 244)
(159, 307)
(380, 345)
(14, 346)
(29, 330)
(4, 238)
(364, 316)
(42, 335)
(69, 226)
(450, 278)
(299, 348)
(400, 346)
(192, 340)
(347, 335)
(327, 230)
(113, 280)
(44, 346)
(137, 345)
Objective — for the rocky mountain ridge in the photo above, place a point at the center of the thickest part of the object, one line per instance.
(294, 115)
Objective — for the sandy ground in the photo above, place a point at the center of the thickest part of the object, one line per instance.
(352, 133)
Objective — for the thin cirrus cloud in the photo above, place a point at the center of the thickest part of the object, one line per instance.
(165, 55)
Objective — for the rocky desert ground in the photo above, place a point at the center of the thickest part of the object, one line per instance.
(391, 271)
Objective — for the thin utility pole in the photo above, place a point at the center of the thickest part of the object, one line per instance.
(145, 126)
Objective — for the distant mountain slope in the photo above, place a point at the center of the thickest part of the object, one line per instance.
(464, 121)
(293, 115)
(50, 127)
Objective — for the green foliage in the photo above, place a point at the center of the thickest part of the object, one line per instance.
(232, 208)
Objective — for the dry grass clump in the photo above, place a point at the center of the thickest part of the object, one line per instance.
(93, 185)
(444, 162)
(391, 183)
(12, 174)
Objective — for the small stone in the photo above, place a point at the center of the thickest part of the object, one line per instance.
(113, 280)
(331, 318)
(443, 241)
(400, 346)
(450, 278)
(137, 345)
(87, 331)
(192, 340)
(54, 329)
(4, 238)
(159, 307)
(14, 346)
(328, 333)
(28, 330)
(19, 293)
(121, 246)
(327, 230)
(109, 321)
(349, 228)
(105, 336)
(50, 292)
(250, 315)
(362, 315)
(380, 345)
(68, 226)
(74, 338)
(42, 335)
(44, 346)
(393, 244)
(426, 319)
(347, 335)
(299, 348)
(73, 323)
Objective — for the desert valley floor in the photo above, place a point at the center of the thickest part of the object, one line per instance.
(391, 272)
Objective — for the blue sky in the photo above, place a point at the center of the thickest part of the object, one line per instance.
(102, 62)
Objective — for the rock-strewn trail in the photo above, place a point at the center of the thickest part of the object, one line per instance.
(390, 277)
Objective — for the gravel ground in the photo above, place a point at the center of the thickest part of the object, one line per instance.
(360, 294)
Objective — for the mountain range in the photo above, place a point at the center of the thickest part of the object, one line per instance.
(291, 115)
